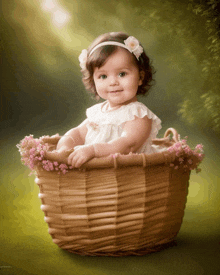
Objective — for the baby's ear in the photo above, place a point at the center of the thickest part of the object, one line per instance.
(142, 75)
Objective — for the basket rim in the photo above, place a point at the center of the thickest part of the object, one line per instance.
(132, 159)
(119, 160)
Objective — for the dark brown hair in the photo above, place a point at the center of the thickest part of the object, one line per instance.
(100, 55)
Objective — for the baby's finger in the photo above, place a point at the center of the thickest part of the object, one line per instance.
(70, 158)
(76, 160)
(81, 160)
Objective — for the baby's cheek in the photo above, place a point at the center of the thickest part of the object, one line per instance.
(129, 80)
(102, 84)
(99, 85)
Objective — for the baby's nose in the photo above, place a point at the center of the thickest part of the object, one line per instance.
(114, 80)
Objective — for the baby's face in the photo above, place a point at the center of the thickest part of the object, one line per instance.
(118, 79)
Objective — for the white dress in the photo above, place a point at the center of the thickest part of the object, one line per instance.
(107, 125)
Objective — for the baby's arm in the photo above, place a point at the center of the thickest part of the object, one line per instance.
(73, 137)
(134, 135)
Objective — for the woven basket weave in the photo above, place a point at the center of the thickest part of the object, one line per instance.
(129, 205)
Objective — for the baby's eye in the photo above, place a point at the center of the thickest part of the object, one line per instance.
(103, 76)
(122, 74)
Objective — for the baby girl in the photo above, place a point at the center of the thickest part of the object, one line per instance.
(115, 68)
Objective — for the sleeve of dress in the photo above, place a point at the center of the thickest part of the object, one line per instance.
(138, 109)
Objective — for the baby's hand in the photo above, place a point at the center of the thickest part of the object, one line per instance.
(52, 140)
(81, 155)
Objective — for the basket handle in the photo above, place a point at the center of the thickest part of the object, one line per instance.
(173, 132)
(165, 141)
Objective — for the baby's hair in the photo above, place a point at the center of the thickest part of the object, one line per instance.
(100, 55)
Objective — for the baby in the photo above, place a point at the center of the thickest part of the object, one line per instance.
(115, 68)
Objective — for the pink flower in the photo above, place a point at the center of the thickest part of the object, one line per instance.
(50, 164)
(183, 141)
(177, 145)
(32, 150)
(63, 166)
(199, 147)
(183, 154)
(187, 150)
(46, 167)
(201, 156)
(190, 161)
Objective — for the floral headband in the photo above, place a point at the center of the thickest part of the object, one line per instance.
(131, 44)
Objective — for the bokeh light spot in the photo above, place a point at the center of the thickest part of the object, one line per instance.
(60, 17)
(48, 5)
(198, 191)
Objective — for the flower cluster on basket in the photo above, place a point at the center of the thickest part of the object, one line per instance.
(33, 151)
(187, 158)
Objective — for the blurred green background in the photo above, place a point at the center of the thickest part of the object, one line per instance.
(42, 93)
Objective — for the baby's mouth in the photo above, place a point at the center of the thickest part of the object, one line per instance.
(115, 92)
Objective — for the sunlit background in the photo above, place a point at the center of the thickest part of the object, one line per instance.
(42, 93)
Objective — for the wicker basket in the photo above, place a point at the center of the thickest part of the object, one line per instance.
(129, 205)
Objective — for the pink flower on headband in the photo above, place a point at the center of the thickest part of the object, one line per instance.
(83, 59)
(133, 45)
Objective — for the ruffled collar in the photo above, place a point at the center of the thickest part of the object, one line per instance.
(99, 115)
(105, 106)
